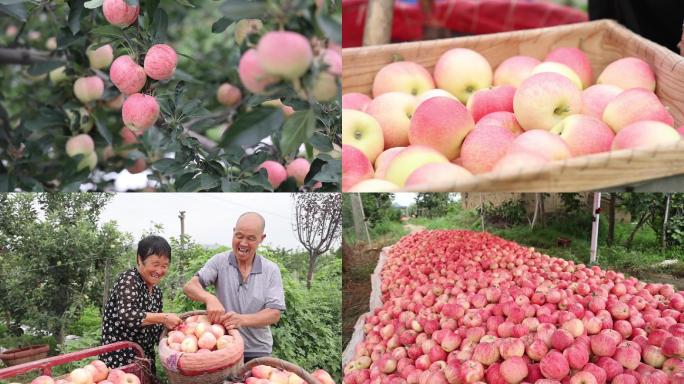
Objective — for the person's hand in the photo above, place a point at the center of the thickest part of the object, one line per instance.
(215, 310)
(232, 320)
(171, 320)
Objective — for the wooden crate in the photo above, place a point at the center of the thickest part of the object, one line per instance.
(603, 41)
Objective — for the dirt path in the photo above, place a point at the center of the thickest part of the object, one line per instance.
(414, 228)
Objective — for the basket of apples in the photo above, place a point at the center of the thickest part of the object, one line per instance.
(199, 351)
(265, 370)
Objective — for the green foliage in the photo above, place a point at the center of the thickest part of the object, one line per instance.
(572, 202)
(510, 212)
(55, 247)
(432, 204)
(309, 332)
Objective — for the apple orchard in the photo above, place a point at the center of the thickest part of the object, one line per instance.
(196, 95)
(466, 117)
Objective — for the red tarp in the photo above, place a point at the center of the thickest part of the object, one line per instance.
(469, 17)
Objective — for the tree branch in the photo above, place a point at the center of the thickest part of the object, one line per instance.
(22, 56)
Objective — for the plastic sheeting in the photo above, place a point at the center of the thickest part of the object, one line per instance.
(469, 17)
(375, 302)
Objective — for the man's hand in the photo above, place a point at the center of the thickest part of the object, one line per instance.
(233, 320)
(215, 310)
(171, 320)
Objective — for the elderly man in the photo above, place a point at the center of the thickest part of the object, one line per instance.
(249, 288)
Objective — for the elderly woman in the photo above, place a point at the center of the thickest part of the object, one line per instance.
(134, 308)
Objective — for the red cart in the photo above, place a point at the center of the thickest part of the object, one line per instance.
(140, 367)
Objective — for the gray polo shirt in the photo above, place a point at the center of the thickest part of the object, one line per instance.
(263, 289)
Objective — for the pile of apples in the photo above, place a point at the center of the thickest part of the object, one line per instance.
(265, 374)
(469, 307)
(95, 372)
(467, 119)
(198, 335)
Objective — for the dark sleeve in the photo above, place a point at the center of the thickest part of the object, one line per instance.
(129, 305)
(657, 20)
(158, 328)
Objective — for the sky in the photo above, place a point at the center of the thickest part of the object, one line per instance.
(405, 199)
(209, 217)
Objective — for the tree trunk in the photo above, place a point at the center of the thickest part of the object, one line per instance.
(536, 210)
(641, 222)
(312, 263)
(611, 220)
(378, 22)
(107, 282)
(542, 216)
(668, 199)
(360, 228)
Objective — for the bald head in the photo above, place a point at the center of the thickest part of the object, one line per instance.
(252, 220)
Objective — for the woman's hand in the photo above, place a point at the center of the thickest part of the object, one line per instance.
(171, 320)
(214, 309)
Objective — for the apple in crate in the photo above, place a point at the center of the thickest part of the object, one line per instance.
(81, 376)
(43, 380)
(262, 371)
(201, 329)
(129, 378)
(224, 341)
(189, 344)
(115, 375)
(98, 370)
(323, 376)
(207, 341)
(218, 330)
(176, 337)
(279, 377)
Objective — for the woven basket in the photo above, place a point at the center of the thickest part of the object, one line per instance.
(24, 355)
(210, 377)
(603, 41)
(245, 371)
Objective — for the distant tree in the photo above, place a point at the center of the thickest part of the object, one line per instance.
(317, 223)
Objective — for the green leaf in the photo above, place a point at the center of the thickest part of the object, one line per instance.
(107, 30)
(297, 129)
(241, 9)
(46, 118)
(252, 127)
(331, 172)
(321, 142)
(220, 25)
(151, 6)
(230, 186)
(44, 67)
(160, 24)
(185, 3)
(92, 4)
(330, 27)
(4, 183)
(75, 13)
(163, 165)
(101, 124)
(260, 179)
(18, 11)
(190, 108)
